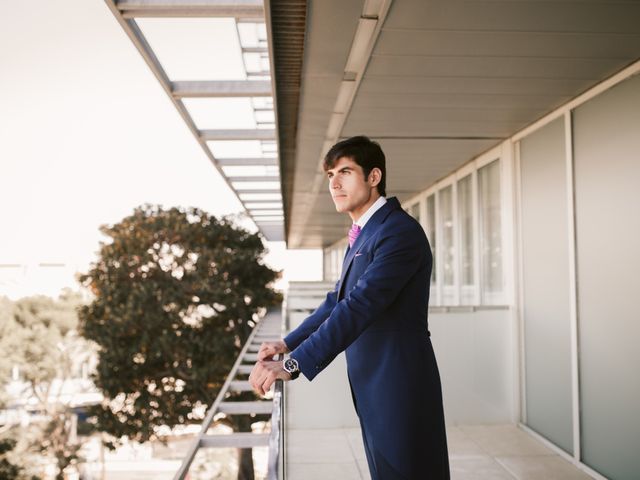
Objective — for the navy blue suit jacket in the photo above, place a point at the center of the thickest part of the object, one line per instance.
(377, 313)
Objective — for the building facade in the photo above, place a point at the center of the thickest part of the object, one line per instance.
(532, 303)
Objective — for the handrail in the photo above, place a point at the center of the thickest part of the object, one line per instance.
(277, 427)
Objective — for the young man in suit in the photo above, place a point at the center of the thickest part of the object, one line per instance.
(377, 314)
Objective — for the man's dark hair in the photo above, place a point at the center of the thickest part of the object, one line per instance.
(365, 152)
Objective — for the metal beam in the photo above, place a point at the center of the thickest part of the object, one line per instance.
(254, 178)
(258, 202)
(255, 50)
(221, 88)
(246, 9)
(240, 386)
(259, 161)
(235, 440)
(250, 358)
(240, 191)
(245, 408)
(257, 134)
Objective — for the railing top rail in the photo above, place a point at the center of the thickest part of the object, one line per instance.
(274, 436)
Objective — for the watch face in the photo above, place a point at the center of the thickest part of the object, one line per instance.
(291, 365)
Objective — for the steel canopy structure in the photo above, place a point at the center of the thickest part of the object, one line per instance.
(436, 82)
(254, 178)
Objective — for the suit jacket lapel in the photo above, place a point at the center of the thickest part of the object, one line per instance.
(369, 229)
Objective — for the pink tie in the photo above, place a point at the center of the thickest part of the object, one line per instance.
(353, 234)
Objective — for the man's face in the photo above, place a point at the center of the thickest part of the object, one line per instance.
(348, 187)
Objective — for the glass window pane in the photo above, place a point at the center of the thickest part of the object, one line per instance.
(431, 233)
(465, 219)
(448, 245)
(414, 211)
(490, 233)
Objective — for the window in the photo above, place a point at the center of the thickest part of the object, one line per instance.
(448, 245)
(492, 286)
(431, 233)
(467, 258)
(462, 218)
(333, 257)
(464, 227)
(414, 211)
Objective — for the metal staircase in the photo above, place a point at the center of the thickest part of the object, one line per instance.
(269, 328)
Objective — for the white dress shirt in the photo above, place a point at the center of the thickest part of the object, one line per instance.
(369, 213)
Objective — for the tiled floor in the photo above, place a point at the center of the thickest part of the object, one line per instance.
(500, 452)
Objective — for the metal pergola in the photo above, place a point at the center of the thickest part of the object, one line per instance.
(260, 195)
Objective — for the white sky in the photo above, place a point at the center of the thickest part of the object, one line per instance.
(87, 133)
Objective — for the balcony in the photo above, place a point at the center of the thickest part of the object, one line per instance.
(323, 439)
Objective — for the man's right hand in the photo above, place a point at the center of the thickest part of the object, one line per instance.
(269, 349)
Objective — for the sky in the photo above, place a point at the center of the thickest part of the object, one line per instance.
(87, 134)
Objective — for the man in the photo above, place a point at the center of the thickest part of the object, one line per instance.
(377, 313)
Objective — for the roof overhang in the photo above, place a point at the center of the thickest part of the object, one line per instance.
(441, 82)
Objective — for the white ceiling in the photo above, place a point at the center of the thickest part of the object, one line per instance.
(446, 81)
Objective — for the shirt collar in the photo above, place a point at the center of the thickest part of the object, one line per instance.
(369, 213)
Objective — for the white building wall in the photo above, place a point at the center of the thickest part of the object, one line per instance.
(474, 351)
(555, 347)
(326, 402)
(606, 165)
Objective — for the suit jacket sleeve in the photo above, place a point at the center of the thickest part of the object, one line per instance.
(312, 322)
(397, 257)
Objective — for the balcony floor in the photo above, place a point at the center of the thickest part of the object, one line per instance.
(497, 452)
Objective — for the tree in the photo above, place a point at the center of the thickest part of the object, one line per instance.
(177, 293)
(8, 469)
(38, 336)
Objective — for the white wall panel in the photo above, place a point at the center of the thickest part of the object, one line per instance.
(546, 283)
(607, 195)
(474, 351)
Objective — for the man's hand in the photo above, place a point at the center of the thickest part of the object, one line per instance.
(265, 373)
(269, 349)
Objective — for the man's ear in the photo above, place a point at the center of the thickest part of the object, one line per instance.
(375, 176)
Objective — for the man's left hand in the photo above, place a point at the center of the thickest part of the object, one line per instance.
(265, 373)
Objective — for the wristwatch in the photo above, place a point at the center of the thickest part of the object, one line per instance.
(290, 366)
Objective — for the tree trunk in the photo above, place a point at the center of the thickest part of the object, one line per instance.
(245, 464)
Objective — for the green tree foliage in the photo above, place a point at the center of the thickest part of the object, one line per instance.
(13, 464)
(177, 292)
(8, 470)
(38, 336)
